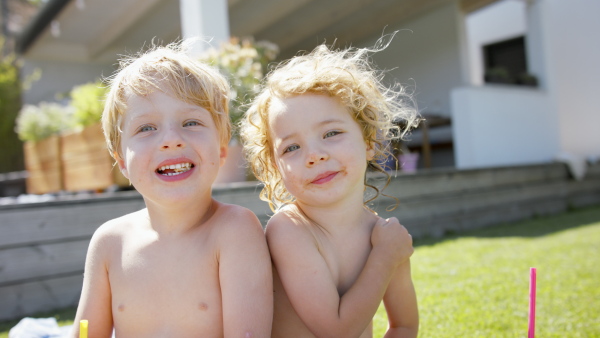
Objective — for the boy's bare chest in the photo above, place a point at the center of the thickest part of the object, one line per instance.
(159, 284)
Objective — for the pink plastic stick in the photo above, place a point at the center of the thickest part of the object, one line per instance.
(532, 274)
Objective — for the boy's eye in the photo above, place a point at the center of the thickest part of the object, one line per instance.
(291, 148)
(331, 133)
(146, 128)
(191, 123)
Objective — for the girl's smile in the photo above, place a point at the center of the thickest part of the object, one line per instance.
(319, 149)
(325, 177)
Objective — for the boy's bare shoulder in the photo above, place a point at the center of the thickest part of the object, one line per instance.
(230, 217)
(120, 223)
(118, 227)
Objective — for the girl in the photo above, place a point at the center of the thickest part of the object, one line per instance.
(310, 135)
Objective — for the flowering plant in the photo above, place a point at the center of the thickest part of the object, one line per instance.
(37, 122)
(245, 63)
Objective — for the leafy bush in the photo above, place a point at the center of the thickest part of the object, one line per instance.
(36, 123)
(11, 153)
(88, 103)
(245, 63)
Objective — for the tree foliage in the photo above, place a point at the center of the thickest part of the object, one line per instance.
(11, 148)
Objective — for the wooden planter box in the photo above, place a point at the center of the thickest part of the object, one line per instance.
(86, 162)
(43, 165)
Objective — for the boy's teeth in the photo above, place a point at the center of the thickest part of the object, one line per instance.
(174, 169)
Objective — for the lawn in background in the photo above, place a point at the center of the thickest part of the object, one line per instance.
(476, 283)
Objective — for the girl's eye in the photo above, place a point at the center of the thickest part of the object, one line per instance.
(291, 148)
(191, 123)
(331, 133)
(146, 128)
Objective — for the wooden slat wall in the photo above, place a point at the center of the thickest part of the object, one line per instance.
(43, 245)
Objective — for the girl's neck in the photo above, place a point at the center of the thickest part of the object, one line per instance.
(346, 215)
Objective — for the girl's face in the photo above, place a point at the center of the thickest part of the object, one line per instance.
(319, 149)
(171, 150)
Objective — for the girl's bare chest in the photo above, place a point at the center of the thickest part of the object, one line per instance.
(346, 260)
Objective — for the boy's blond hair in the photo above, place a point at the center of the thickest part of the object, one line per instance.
(171, 70)
(346, 75)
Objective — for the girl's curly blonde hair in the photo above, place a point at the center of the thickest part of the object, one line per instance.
(344, 74)
(168, 69)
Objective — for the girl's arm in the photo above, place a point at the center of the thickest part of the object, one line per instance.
(95, 302)
(311, 288)
(245, 277)
(400, 302)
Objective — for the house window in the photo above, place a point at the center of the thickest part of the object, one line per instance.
(506, 62)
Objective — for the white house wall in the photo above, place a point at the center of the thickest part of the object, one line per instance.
(571, 50)
(425, 55)
(58, 77)
(498, 22)
(502, 126)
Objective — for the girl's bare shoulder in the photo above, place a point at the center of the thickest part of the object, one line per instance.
(288, 226)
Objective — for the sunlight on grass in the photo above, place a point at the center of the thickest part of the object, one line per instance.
(477, 285)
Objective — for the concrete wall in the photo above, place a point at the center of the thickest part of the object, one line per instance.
(43, 245)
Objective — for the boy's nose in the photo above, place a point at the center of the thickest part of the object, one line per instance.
(172, 139)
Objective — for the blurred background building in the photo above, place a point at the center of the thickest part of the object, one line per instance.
(509, 81)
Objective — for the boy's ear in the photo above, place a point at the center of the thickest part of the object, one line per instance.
(121, 164)
(223, 155)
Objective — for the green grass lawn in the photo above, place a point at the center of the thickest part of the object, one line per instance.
(476, 284)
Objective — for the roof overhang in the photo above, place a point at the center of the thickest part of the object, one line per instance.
(96, 31)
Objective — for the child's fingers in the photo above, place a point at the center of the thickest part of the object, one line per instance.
(382, 221)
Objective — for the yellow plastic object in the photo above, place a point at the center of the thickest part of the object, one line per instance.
(83, 329)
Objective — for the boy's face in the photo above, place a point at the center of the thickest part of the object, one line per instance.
(170, 149)
(319, 149)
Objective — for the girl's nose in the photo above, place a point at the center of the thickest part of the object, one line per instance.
(316, 156)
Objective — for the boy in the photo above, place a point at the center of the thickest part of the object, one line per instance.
(187, 265)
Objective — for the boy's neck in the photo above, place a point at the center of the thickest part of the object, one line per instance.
(181, 217)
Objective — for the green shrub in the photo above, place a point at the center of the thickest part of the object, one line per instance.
(11, 149)
(88, 103)
(244, 62)
(36, 123)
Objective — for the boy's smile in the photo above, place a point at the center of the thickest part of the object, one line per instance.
(175, 169)
(168, 141)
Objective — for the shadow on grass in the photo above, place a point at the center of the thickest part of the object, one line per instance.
(535, 227)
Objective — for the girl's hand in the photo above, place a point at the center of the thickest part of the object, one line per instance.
(393, 238)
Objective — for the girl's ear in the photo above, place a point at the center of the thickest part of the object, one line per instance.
(370, 152)
(121, 164)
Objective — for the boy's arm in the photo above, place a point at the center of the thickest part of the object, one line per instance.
(245, 277)
(311, 288)
(95, 302)
(400, 302)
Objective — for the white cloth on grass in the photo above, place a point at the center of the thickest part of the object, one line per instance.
(38, 328)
